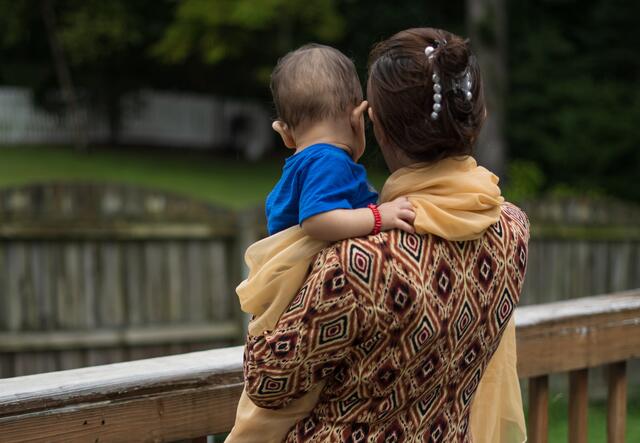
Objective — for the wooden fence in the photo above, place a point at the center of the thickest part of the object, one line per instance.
(193, 395)
(581, 247)
(101, 273)
(93, 274)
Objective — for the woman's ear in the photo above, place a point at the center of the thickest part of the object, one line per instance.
(285, 133)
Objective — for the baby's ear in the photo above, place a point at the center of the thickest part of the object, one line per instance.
(285, 133)
(358, 113)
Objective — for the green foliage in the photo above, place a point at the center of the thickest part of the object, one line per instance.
(215, 30)
(93, 30)
(525, 181)
(13, 24)
(573, 101)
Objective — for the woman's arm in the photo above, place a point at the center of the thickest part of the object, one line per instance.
(341, 224)
(312, 337)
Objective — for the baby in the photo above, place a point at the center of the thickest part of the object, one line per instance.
(318, 99)
(320, 107)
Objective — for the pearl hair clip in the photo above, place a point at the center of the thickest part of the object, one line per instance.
(428, 51)
(462, 83)
(437, 96)
(437, 87)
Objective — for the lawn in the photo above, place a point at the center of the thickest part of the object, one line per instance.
(597, 420)
(219, 179)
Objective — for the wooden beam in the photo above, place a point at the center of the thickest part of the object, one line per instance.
(578, 333)
(539, 409)
(541, 231)
(57, 393)
(117, 230)
(106, 338)
(176, 415)
(578, 405)
(617, 402)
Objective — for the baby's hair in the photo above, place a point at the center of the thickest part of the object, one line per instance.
(401, 89)
(314, 82)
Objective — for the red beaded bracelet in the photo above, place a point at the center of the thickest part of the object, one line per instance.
(377, 219)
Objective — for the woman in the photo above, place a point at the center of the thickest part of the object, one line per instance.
(398, 329)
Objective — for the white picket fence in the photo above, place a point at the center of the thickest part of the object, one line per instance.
(151, 118)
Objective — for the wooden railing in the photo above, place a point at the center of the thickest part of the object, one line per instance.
(573, 336)
(192, 395)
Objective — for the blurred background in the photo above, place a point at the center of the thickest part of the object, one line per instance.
(136, 152)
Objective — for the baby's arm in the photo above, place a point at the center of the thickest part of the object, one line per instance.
(340, 224)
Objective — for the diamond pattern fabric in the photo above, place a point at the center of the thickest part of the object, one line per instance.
(400, 327)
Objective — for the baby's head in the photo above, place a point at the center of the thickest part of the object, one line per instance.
(313, 84)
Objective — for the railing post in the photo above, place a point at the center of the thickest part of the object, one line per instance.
(538, 409)
(617, 402)
(578, 405)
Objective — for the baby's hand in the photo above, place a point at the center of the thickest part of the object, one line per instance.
(399, 214)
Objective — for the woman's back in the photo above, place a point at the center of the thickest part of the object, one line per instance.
(405, 324)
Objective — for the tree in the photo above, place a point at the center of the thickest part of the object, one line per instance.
(103, 46)
(247, 35)
(574, 103)
(64, 75)
(486, 20)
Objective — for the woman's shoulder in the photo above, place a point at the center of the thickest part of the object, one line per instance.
(362, 259)
(515, 219)
(360, 256)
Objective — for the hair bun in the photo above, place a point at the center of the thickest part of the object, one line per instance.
(453, 56)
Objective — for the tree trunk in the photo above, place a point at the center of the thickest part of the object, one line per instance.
(487, 25)
(64, 75)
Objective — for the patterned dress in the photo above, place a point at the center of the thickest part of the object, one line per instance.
(400, 327)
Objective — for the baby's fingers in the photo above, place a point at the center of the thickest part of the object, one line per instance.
(407, 215)
(404, 226)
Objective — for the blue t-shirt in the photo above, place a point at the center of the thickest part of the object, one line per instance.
(318, 179)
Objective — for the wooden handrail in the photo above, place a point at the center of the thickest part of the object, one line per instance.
(579, 333)
(191, 395)
(158, 399)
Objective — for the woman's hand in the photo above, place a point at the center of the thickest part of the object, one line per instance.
(397, 214)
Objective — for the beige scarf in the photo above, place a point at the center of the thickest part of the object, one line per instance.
(454, 199)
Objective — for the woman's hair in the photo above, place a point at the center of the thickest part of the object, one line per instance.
(314, 82)
(401, 92)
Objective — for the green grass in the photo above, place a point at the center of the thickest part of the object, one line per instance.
(218, 179)
(224, 181)
(597, 421)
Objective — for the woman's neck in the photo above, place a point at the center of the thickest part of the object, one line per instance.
(395, 158)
